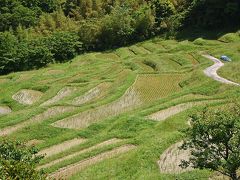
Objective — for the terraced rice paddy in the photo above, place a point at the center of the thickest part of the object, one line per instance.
(171, 159)
(97, 146)
(67, 91)
(27, 97)
(72, 169)
(173, 110)
(146, 88)
(127, 102)
(92, 94)
(5, 110)
(49, 113)
(61, 147)
(92, 117)
(153, 87)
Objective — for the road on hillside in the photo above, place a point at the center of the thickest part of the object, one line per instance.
(212, 71)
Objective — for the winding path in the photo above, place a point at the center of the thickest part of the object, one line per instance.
(212, 71)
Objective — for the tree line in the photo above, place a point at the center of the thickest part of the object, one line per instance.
(34, 33)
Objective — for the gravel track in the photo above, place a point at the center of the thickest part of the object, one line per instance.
(212, 71)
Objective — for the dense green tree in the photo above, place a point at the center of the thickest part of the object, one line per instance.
(17, 161)
(214, 139)
(55, 21)
(23, 16)
(12, 14)
(213, 13)
(89, 33)
(17, 55)
(78, 9)
(64, 45)
(163, 9)
(38, 54)
(117, 28)
(144, 22)
(8, 52)
(45, 5)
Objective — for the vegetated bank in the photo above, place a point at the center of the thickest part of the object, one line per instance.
(36, 33)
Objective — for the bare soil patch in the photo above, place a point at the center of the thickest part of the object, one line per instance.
(5, 110)
(34, 142)
(51, 112)
(171, 159)
(171, 111)
(97, 146)
(27, 97)
(67, 91)
(166, 113)
(110, 56)
(47, 81)
(61, 147)
(92, 94)
(8, 130)
(3, 81)
(53, 72)
(68, 171)
(24, 77)
(218, 176)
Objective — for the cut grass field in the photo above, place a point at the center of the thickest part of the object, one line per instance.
(114, 115)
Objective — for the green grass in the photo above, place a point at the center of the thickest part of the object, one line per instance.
(163, 73)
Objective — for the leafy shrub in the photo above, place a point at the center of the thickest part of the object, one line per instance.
(17, 161)
(18, 55)
(38, 54)
(150, 63)
(230, 37)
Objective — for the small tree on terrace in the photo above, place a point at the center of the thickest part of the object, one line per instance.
(18, 161)
(214, 139)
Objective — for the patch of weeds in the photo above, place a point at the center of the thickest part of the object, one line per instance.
(230, 37)
(92, 130)
(208, 88)
(80, 80)
(42, 89)
(152, 64)
(131, 65)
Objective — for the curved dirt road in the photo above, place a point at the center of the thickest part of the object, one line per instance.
(212, 71)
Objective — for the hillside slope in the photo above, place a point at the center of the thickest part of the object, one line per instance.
(111, 115)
